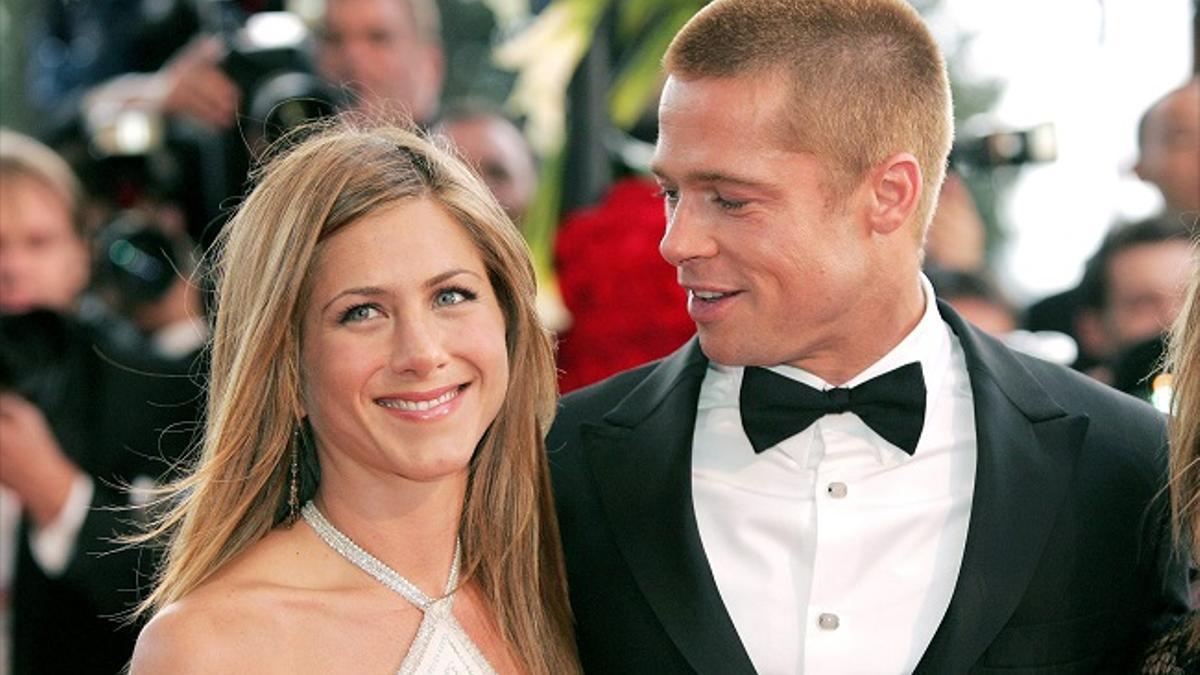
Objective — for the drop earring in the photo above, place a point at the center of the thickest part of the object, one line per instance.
(294, 483)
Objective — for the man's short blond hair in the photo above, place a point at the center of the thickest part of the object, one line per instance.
(22, 156)
(867, 79)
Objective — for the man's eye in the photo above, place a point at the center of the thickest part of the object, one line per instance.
(379, 38)
(728, 204)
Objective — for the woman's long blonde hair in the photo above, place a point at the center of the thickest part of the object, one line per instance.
(1183, 362)
(320, 181)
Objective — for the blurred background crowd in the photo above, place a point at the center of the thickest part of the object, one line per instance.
(1066, 227)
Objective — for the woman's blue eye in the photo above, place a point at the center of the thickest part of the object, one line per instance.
(452, 296)
(358, 313)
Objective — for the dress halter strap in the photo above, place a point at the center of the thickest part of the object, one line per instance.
(441, 646)
(373, 566)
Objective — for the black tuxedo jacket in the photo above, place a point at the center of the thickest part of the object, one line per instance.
(117, 416)
(1067, 567)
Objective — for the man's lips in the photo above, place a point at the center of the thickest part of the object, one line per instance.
(707, 304)
(709, 294)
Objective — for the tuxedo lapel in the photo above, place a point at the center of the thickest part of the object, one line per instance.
(1027, 448)
(640, 459)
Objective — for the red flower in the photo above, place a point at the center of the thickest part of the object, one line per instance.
(625, 304)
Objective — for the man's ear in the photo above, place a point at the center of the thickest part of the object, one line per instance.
(895, 189)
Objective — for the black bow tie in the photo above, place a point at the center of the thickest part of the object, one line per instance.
(775, 407)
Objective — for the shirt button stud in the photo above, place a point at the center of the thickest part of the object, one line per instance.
(828, 621)
(837, 490)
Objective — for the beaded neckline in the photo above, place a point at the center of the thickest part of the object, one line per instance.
(440, 645)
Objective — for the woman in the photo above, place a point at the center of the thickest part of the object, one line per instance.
(1178, 651)
(377, 352)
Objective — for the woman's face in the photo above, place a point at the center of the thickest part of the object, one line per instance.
(403, 357)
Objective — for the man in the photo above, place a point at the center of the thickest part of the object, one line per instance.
(1168, 158)
(1132, 289)
(79, 423)
(494, 146)
(386, 53)
(958, 508)
(1169, 150)
(43, 250)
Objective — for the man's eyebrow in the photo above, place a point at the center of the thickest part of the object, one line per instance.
(721, 177)
(709, 177)
(715, 178)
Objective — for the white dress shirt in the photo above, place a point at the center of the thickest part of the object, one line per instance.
(834, 551)
(53, 546)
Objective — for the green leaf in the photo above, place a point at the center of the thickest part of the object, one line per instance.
(632, 17)
(639, 79)
(541, 219)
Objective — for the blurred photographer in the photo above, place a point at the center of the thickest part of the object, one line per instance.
(495, 148)
(1132, 289)
(387, 54)
(80, 421)
(191, 84)
(1169, 150)
(117, 52)
(43, 248)
(186, 87)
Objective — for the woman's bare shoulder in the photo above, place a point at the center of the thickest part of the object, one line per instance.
(237, 620)
(201, 633)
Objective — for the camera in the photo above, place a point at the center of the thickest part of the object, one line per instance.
(38, 351)
(270, 60)
(268, 56)
(136, 261)
(1006, 148)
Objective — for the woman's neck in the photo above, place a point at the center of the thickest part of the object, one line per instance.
(409, 526)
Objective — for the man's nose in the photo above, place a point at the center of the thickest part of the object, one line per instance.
(686, 238)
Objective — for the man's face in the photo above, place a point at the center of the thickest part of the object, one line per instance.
(777, 270)
(43, 261)
(498, 152)
(1146, 288)
(1171, 153)
(373, 48)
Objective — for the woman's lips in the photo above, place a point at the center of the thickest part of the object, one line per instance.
(424, 405)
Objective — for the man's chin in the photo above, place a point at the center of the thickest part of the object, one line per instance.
(740, 349)
(722, 349)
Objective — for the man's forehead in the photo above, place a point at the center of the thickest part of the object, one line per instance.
(1178, 109)
(759, 92)
(367, 14)
(752, 109)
